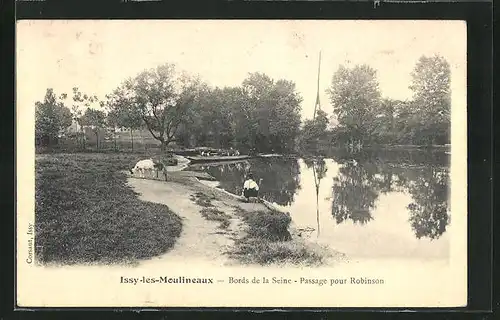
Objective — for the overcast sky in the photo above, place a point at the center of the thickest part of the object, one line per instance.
(97, 55)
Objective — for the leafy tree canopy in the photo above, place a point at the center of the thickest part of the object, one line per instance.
(51, 118)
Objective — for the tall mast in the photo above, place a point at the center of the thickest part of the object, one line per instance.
(317, 104)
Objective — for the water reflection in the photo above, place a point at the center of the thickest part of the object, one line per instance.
(319, 169)
(429, 209)
(280, 177)
(356, 186)
(354, 194)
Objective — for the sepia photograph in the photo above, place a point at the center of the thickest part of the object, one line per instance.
(252, 163)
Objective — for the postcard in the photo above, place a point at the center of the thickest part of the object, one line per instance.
(241, 163)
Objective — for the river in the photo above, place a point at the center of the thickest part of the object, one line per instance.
(384, 204)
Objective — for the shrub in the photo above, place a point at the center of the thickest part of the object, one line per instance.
(272, 225)
(269, 241)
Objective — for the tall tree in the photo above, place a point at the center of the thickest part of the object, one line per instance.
(81, 102)
(112, 122)
(314, 132)
(205, 122)
(432, 99)
(261, 115)
(96, 120)
(272, 110)
(285, 117)
(51, 117)
(122, 111)
(162, 97)
(244, 126)
(384, 121)
(220, 117)
(355, 95)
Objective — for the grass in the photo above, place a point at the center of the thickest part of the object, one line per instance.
(216, 215)
(268, 226)
(208, 211)
(268, 241)
(85, 212)
(202, 200)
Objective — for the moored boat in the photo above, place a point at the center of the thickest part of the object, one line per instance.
(200, 159)
(270, 155)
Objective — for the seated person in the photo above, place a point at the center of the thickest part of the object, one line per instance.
(250, 188)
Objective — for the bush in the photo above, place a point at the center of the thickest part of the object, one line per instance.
(269, 241)
(272, 225)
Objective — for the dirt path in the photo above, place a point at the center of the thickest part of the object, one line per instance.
(201, 240)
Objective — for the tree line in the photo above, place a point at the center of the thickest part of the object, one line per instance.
(364, 117)
(260, 115)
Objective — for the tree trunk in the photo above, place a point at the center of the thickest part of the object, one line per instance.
(163, 144)
(142, 140)
(132, 138)
(114, 138)
(77, 138)
(83, 138)
(97, 140)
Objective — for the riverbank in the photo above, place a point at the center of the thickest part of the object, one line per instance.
(219, 229)
(86, 214)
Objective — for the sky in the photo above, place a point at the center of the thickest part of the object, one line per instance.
(97, 55)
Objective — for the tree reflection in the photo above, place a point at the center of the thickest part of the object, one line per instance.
(429, 209)
(357, 185)
(353, 194)
(231, 176)
(280, 178)
(424, 176)
(319, 169)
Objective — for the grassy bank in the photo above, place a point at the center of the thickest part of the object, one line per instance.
(153, 153)
(268, 241)
(85, 212)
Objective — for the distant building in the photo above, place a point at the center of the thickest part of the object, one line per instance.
(74, 127)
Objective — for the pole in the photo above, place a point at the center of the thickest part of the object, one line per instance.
(317, 103)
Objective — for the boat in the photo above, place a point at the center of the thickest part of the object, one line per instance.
(271, 155)
(203, 159)
(214, 163)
